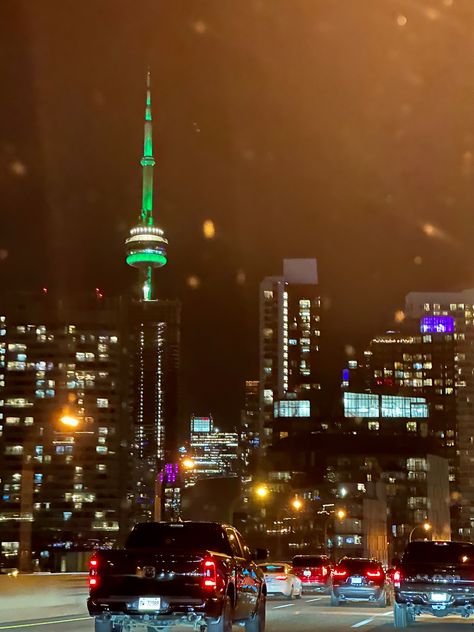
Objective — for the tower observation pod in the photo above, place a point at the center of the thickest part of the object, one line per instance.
(146, 247)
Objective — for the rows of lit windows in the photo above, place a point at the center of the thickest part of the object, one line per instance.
(369, 405)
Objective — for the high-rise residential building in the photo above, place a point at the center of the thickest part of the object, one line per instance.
(249, 427)
(111, 364)
(432, 356)
(213, 452)
(290, 329)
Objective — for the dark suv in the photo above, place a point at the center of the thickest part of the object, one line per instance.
(314, 572)
(360, 579)
(436, 578)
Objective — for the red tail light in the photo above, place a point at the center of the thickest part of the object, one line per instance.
(339, 573)
(374, 574)
(324, 571)
(397, 578)
(209, 575)
(93, 568)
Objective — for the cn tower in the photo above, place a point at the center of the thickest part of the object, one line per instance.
(146, 245)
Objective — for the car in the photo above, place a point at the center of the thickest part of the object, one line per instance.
(281, 580)
(314, 572)
(434, 577)
(360, 579)
(196, 574)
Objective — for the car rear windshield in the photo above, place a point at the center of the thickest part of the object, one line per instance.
(439, 553)
(179, 536)
(273, 568)
(359, 566)
(310, 560)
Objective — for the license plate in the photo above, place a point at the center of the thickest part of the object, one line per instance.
(307, 573)
(439, 596)
(149, 603)
(356, 581)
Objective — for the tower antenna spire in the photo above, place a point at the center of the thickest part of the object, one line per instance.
(146, 246)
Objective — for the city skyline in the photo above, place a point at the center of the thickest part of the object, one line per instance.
(238, 157)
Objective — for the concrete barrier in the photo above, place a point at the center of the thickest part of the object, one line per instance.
(38, 596)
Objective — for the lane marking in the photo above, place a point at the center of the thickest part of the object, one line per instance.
(287, 605)
(20, 626)
(311, 600)
(361, 623)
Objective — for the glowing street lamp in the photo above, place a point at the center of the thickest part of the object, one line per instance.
(69, 421)
(188, 463)
(297, 504)
(426, 526)
(341, 514)
(262, 491)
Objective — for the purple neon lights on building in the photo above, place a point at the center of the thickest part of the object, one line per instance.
(170, 473)
(437, 325)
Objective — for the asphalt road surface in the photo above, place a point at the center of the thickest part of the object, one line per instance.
(309, 614)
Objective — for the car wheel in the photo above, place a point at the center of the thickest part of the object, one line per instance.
(335, 601)
(105, 625)
(400, 615)
(382, 601)
(257, 622)
(224, 624)
(292, 593)
(298, 596)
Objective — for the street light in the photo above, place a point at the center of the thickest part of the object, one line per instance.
(262, 491)
(341, 514)
(27, 489)
(297, 504)
(69, 421)
(188, 463)
(426, 526)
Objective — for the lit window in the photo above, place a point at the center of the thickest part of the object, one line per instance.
(102, 402)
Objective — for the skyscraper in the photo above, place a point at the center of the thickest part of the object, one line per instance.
(58, 356)
(289, 347)
(431, 355)
(214, 453)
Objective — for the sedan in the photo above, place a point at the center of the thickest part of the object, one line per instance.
(360, 579)
(281, 580)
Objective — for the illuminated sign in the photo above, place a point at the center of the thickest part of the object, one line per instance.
(437, 325)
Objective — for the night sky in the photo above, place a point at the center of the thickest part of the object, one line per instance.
(335, 129)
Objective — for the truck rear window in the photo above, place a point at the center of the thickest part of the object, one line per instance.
(439, 553)
(310, 560)
(182, 536)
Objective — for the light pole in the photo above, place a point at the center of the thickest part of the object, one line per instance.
(27, 490)
(426, 526)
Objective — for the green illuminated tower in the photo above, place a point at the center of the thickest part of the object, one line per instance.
(146, 245)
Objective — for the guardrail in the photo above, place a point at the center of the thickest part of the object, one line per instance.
(42, 595)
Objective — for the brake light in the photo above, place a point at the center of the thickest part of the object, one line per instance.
(374, 574)
(397, 578)
(324, 571)
(209, 575)
(93, 581)
(339, 573)
(93, 563)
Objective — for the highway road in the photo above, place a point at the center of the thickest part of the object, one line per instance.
(310, 614)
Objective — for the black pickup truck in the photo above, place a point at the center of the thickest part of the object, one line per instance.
(434, 577)
(197, 574)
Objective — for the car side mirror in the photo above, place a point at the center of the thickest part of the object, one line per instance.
(260, 554)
